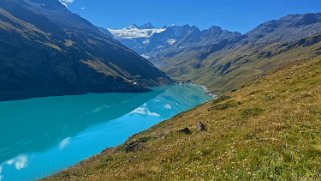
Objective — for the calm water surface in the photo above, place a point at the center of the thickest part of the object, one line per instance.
(41, 136)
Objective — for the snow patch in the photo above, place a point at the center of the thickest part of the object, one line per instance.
(133, 32)
(171, 41)
(145, 56)
(146, 42)
(66, 2)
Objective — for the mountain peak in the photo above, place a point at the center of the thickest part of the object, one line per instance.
(133, 26)
(215, 28)
(147, 26)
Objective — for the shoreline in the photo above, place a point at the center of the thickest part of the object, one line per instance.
(203, 87)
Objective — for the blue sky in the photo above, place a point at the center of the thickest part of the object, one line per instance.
(235, 15)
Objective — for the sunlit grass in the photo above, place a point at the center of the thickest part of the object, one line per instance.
(268, 130)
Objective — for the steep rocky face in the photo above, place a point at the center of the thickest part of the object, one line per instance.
(46, 50)
(201, 43)
(175, 39)
(216, 34)
(288, 28)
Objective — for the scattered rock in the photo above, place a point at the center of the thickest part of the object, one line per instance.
(185, 131)
(200, 127)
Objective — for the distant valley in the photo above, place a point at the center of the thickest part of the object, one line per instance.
(224, 60)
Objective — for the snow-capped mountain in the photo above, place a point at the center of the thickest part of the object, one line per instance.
(146, 38)
(133, 31)
(151, 42)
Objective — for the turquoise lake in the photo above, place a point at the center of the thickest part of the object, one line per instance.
(41, 136)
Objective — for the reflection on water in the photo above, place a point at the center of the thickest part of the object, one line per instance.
(44, 135)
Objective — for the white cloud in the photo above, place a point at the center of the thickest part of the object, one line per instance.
(10, 162)
(19, 162)
(167, 106)
(1, 176)
(66, 2)
(144, 111)
(83, 8)
(64, 143)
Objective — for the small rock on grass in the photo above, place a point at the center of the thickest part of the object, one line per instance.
(200, 127)
(185, 131)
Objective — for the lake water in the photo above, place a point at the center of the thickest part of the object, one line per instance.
(41, 136)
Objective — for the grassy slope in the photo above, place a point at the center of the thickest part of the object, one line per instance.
(269, 129)
(232, 67)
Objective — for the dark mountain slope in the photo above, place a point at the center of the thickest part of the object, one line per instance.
(46, 50)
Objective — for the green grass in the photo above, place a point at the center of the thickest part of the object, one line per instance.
(249, 112)
(267, 130)
(232, 67)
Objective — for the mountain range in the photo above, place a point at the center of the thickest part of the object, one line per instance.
(224, 60)
(46, 50)
(152, 41)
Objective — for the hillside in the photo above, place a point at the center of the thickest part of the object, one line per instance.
(267, 130)
(225, 65)
(233, 66)
(46, 50)
(224, 60)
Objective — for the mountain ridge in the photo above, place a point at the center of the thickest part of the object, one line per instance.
(175, 38)
(69, 54)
